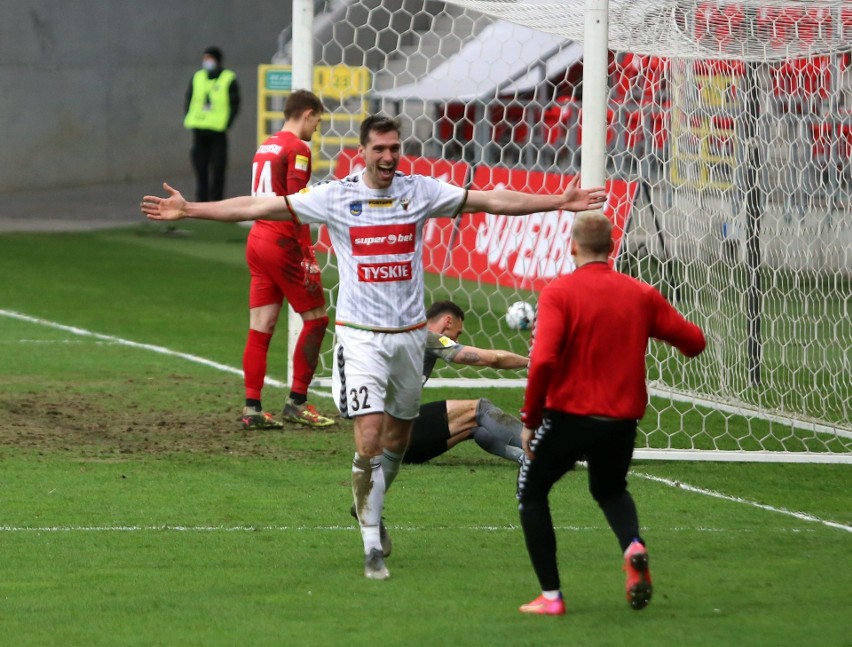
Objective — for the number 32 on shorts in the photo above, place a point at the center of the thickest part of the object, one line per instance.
(359, 399)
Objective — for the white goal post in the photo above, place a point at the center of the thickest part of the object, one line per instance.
(724, 130)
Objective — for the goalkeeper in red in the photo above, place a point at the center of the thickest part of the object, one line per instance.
(585, 394)
(282, 265)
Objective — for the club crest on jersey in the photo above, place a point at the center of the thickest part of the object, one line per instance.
(356, 208)
(404, 202)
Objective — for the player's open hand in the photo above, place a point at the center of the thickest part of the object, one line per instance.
(526, 438)
(170, 208)
(577, 199)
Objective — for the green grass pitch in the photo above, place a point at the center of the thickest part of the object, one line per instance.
(134, 511)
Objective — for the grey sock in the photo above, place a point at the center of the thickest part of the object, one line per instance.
(391, 462)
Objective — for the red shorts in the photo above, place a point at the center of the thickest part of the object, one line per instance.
(279, 271)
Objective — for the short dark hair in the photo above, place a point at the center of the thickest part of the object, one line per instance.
(380, 124)
(215, 52)
(440, 308)
(299, 102)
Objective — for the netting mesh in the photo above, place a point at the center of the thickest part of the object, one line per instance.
(750, 30)
(729, 148)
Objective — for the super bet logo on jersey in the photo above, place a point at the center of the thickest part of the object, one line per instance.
(383, 240)
(376, 240)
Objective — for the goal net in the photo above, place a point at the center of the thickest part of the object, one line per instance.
(729, 165)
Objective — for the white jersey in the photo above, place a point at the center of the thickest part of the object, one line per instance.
(378, 239)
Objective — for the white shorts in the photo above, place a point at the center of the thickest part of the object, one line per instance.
(377, 372)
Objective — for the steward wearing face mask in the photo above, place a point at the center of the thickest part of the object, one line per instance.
(212, 103)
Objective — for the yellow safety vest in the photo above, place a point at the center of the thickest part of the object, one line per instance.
(210, 107)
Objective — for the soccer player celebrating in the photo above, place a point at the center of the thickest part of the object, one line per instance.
(282, 264)
(585, 395)
(375, 220)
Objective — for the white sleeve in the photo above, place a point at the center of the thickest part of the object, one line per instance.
(311, 203)
(446, 199)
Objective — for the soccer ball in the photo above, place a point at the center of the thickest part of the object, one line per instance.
(520, 316)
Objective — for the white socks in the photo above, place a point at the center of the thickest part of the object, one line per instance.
(368, 488)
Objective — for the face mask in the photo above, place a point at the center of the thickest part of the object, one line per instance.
(209, 65)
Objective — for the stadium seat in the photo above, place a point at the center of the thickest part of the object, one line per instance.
(454, 126)
(802, 84)
(626, 79)
(719, 27)
(781, 26)
(846, 23)
(561, 122)
(660, 127)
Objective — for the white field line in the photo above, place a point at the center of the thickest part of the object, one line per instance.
(229, 369)
(168, 528)
(353, 528)
(802, 516)
(132, 344)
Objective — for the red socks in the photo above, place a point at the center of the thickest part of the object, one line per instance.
(254, 362)
(306, 355)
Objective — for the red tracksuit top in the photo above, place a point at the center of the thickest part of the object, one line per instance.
(591, 337)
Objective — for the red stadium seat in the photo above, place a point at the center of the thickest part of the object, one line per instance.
(782, 26)
(455, 122)
(509, 123)
(654, 76)
(634, 130)
(803, 78)
(660, 127)
(814, 24)
(777, 25)
(560, 119)
(626, 77)
(822, 137)
(719, 27)
(846, 22)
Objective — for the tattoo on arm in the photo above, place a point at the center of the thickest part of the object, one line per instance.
(469, 356)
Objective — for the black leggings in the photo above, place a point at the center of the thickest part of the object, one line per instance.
(429, 433)
(561, 441)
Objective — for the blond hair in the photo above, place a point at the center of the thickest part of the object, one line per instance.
(592, 232)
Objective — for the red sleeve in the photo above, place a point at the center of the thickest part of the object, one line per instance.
(549, 331)
(298, 176)
(298, 168)
(670, 326)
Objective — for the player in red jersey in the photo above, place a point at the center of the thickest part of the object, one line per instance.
(585, 394)
(281, 260)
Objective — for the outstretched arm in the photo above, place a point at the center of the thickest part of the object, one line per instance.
(494, 358)
(515, 203)
(175, 207)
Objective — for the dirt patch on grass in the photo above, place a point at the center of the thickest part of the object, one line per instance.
(83, 426)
